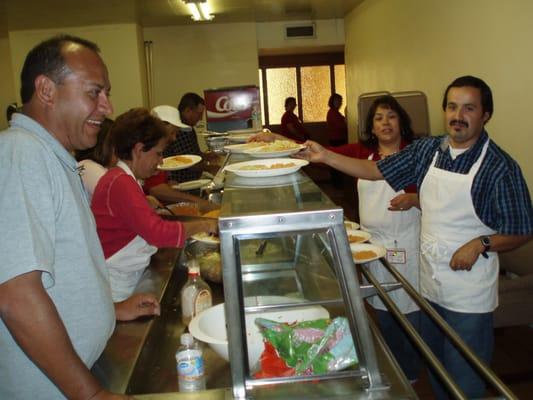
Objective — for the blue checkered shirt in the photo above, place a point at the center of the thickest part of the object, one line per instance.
(499, 192)
(186, 143)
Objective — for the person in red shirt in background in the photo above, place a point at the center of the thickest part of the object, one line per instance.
(393, 219)
(291, 126)
(160, 184)
(336, 122)
(129, 230)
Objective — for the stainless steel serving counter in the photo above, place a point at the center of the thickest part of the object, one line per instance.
(139, 358)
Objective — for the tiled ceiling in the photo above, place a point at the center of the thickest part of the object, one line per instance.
(42, 14)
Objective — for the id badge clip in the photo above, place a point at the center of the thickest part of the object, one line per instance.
(396, 255)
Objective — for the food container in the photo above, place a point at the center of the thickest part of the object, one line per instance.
(207, 255)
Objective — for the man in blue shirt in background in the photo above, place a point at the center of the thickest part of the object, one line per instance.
(474, 203)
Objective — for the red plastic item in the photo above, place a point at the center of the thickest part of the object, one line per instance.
(272, 366)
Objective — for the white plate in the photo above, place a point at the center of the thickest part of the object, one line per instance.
(194, 159)
(241, 148)
(258, 153)
(378, 250)
(191, 185)
(248, 131)
(296, 164)
(351, 225)
(206, 238)
(365, 236)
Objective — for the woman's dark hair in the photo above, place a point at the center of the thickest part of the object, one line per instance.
(10, 110)
(47, 59)
(332, 98)
(471, 81)
(289, 100)
(102, 152)
(136, 126)
(388, 102)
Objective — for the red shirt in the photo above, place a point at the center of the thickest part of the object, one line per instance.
(291, 118)
(358, 150)
(122, 212)
(157, 179)
(337, 128)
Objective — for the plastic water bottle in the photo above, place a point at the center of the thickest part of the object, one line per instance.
(190, 365)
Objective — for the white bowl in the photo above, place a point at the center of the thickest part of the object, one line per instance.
(210, 325)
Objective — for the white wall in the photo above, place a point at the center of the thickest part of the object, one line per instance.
(424, 45)
(197, 57)
(7, 89)
(120, 50)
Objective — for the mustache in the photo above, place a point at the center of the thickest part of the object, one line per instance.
(459, 122)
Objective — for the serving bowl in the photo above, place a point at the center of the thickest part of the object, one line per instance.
(210, 325)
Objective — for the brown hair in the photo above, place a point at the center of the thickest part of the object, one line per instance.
(136, 126)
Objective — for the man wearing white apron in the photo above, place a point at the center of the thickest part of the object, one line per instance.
(474, 203)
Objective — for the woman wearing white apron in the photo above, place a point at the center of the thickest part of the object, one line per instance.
(394, 222)
(129, 229)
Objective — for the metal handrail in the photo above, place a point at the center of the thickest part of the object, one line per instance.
(485, 371)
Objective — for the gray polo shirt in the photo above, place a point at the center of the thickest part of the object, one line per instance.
(46, 224)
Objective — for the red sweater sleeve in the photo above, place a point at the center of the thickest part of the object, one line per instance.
(126, 201)
(354, 150)
(157, 179)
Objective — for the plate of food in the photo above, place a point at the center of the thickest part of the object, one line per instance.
(191, 185)
(365, 252)
(265, 168)
(351, 225)
(175, 163)
(247, 131)
(205, 237)
(243, 148)
(277, 148)
(357, 236)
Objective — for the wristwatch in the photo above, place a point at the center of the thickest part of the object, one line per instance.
(485, 241)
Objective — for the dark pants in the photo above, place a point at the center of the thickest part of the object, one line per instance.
(399, 343)
(476, 330)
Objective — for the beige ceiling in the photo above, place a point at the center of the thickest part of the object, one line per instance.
(42, 14)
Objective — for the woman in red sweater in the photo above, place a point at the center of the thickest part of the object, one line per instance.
(129, 229)
(336, 122)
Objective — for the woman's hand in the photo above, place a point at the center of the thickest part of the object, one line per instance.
(137, 305)
(404, 201)
(154, 203)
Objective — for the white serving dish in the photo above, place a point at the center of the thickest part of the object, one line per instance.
(210, 325)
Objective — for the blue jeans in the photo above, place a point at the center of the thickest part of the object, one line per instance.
(399, 343)
(476, 330)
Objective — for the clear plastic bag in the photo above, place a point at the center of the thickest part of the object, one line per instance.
(308, 347)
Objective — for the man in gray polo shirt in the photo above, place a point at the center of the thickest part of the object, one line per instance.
(55, 301)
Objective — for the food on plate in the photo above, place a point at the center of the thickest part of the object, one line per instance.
(277, 145)
(210, 266)
(206, 237)
(176, 161)
(258, 167)
(351, 225)
(364, 255)
(356, 239)
(184, 209)
(212, 214)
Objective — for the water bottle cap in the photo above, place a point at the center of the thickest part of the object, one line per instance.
(194, 269)
(187, 339)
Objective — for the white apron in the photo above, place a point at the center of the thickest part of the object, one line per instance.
(449, 221)
(127, 265)
(393, 230)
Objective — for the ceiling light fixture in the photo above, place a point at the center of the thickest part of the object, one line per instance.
(199, 9)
